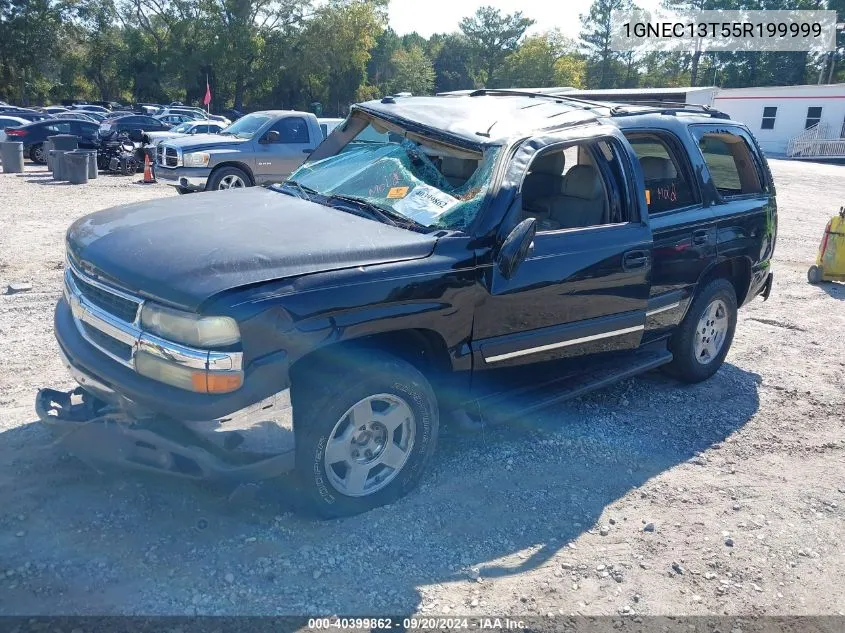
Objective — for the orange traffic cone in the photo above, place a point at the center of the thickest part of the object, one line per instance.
(148, 170)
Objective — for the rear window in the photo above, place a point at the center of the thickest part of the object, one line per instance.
(731, 163)
(666, 177)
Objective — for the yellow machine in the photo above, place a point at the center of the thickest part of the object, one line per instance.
(830, 262)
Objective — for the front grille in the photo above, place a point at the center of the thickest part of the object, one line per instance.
(123, 309)
(107, 343)
(167, 156)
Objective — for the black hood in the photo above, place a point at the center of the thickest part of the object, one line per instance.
(185, 250)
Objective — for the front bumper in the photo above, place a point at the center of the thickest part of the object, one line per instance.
(93, 431)
(193, 178)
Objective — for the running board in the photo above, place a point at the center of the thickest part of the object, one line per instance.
(503, 406)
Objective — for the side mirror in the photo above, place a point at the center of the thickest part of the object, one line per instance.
(514, 249)
(272, 137)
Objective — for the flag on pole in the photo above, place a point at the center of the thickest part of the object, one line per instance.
(207, 98)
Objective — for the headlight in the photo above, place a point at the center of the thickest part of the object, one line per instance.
(196, 159)
(198, 380)
(189, 328)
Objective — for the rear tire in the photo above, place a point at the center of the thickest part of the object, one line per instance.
(36, 154)
(352, 425)
(814, 275)
(228, 178)
(703, 339)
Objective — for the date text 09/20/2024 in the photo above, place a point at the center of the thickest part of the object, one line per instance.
(406, 624)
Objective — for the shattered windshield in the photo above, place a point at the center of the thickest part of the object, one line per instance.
(432, 185)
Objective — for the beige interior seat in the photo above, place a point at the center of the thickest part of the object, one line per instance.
(582, 202)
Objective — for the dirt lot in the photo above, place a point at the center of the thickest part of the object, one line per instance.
(649, 497)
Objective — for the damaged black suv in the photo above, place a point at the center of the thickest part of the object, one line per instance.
(496, 252)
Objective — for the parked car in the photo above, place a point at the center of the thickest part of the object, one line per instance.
(33, 135)
(260, 148)
(219, 119)
(79, 115)
(8, 122)
(503, 252)
(188, 128)
(89, 107)
(25, 113)
(126, 122)
(327, 126)
(55, 110)
(96, 116)
(232, 114)
(173, 119)
(193, 113)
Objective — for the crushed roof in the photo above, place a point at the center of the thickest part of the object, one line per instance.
(484, 119)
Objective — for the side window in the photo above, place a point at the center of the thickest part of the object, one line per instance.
(814, 115)
(61, 128)
(324, 129)
(769, 116)
(579, 186)
(292, 130)
(667, 178)
(732, 166)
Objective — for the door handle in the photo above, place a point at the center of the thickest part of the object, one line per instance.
(633, 260)
(700, 237)
(307, 151)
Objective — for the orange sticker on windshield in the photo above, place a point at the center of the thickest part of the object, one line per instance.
(648, 196)
(397, 192)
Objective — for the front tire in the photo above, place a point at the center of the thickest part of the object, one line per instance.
(705, 335)
(228, 178)
(37, 155)
(364, 436)
(814, 275)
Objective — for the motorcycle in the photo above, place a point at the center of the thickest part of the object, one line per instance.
(117, 154)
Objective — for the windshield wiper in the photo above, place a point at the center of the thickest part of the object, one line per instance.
(383, 214)
(304, 192)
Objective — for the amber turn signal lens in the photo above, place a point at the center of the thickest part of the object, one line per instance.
(205, 382)
(224, 383)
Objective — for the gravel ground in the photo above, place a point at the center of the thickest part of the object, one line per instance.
(648, 497)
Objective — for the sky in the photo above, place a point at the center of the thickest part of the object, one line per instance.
(442, 16)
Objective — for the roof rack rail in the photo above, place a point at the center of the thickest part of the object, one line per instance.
(546, 95)
(666, 107)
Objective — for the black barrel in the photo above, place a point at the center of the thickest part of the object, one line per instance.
(11, 153)
(76, 166)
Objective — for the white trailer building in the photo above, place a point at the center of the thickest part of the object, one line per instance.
(795, 121)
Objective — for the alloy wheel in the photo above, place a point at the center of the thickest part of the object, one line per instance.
(369, 445)
(711, 331)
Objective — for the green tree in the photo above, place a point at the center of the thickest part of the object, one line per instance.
(494, 37)
(28, 46)
(544, 60)
(453, 57)
(596, 34)
(412, 71)
(336, 49)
